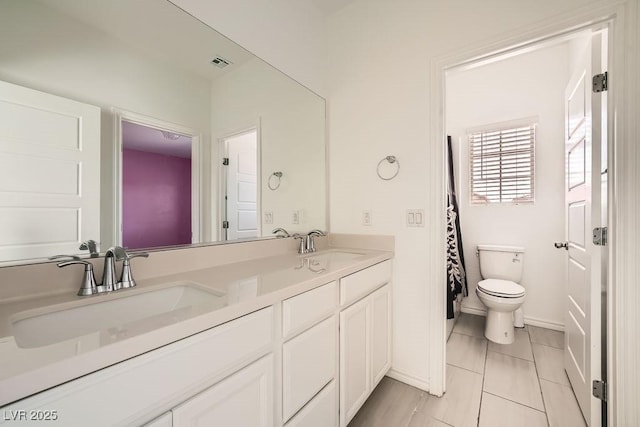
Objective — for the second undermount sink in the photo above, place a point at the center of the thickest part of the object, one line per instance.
(334, 256)
(114, 317)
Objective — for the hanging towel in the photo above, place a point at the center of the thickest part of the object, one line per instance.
(456, 276)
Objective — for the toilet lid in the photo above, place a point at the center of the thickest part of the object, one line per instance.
(501, 288)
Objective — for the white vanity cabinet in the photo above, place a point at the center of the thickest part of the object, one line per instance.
(365, 336)
(309, 358)
(233, 356)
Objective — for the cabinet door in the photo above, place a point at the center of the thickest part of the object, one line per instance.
(243, 399)
(355, 378)
(380, 334)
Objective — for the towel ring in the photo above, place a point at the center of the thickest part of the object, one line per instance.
(391, 160)
(275, 186)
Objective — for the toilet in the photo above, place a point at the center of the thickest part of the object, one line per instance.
(500, 291)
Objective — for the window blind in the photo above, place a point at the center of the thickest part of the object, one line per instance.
(502, 165)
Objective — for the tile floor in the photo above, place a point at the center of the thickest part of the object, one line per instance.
(488, 384)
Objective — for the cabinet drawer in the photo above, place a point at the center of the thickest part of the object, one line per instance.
(322, 411)
(302, 311)
(357, 285)
(309, 363)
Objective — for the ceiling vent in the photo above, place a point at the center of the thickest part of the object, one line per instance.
(220, 62)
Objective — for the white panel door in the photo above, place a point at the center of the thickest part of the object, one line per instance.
(355, 359)
(583, 322)
(243, 399)
(242, 188)
(49, 173)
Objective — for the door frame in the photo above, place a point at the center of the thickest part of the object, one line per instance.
(196, 177)
(216, 159)
(621, 19)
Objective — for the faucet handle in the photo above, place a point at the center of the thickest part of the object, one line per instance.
(91, 246)
(71, 257)
(126, 279)
(88, 285)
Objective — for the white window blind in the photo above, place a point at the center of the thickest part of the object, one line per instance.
(502, 165)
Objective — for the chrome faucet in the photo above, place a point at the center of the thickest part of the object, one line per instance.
(307, 243)
(109, 282)
(278, 230)
(310, 242)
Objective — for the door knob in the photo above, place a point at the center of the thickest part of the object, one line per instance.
(564, 245)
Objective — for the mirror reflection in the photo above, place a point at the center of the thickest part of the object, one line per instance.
(134, 124)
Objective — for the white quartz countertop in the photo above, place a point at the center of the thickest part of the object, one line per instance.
(242, 288)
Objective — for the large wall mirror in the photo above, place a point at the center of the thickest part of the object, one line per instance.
(132, 123)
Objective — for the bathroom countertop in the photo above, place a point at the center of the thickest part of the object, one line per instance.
(243, 287)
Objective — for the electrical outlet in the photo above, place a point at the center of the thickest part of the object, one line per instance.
(268, 217)
(295, 217)
(366, 218)
(415, 217)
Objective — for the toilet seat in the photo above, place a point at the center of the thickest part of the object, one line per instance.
(501, 288)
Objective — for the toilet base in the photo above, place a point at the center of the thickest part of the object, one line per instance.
(499, 327)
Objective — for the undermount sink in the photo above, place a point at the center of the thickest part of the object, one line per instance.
(334, 256)
(114, 316)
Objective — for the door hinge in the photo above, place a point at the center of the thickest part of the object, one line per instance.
(600, 82)
(225, 161)
(600, 390)
(225, 224)
(600, 236)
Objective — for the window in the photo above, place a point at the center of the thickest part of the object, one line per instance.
(502, 165)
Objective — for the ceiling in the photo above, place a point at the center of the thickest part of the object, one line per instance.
(157, 29)
(150, 140)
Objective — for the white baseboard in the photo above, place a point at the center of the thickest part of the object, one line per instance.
(409, 379)
(528, 320)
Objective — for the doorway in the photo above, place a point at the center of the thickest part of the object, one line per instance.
(520, 224)
(240, 192)
(157, 185)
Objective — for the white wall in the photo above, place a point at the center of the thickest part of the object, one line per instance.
(379, 67)
(54, 53)
(288, 34)
(512, 89)
(292, 128)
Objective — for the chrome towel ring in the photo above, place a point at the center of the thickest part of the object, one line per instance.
(276, 184)
(392, 160)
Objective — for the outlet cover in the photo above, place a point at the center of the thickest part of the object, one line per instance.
(366, 218)
(268, 217)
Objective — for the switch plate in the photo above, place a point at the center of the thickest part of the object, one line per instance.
(268, 217)
(415, 217)
(366, 218)
(295, 217)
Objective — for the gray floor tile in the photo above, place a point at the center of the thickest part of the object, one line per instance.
(470, 324)
(466, 351)
(392, 403)
(562, 406)
(521, 346)
(546, 336)
(514, 379)
(498, 412)
(550, 363)
(460, 404)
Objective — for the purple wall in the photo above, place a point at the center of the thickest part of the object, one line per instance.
(156, 200)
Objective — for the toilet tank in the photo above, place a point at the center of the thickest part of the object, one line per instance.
(501, 262)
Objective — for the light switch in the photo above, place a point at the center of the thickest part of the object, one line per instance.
(411, 220)
(418, 218)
